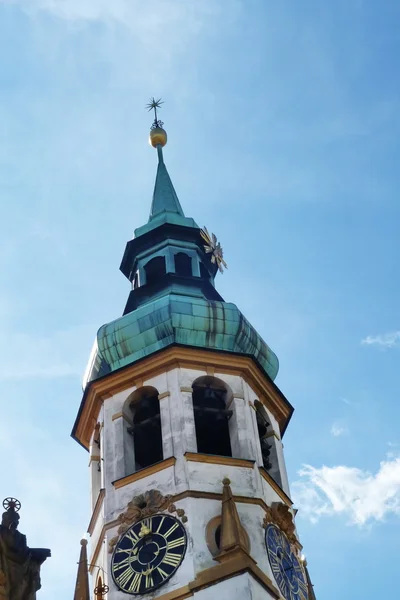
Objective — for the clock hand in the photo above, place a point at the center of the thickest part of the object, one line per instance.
(148, 570)
(157, 552)
(289, 568)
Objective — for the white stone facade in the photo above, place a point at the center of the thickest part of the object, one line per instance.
(114, 455)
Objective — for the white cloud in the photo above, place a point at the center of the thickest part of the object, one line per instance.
(359, 495)
(386, 340)
(337, 430)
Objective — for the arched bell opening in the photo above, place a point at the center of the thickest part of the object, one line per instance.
(155, 269)
(183, 264)
(146, 431)
(267, 442)
(262, 427)
(211, 398)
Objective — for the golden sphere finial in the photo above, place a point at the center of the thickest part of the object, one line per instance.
(158, 137)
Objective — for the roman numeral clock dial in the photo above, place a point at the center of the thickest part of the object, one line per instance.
(148, 554)
(286, 567)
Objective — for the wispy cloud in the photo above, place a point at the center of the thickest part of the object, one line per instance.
(357, 494)
(134, 14)
(385, 340)
(337, 430)
(59, 354)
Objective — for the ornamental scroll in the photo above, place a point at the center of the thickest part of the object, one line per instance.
(142, 506)
(279, 514)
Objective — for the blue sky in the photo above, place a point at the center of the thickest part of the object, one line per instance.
(283, 123)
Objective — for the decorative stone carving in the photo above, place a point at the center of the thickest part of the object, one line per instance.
(142, 506)
(19, 564)
(279, 514)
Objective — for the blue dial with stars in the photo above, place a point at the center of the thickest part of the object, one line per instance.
(287, 570)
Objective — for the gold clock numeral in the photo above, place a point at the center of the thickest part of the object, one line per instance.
(122, 550)
(283, 587)
(163, 574)
(125, 577)
(171, 529)
(122, 564)
(147, 522)
(160, 524)
(175, 543)
(302, 585)
(149, 580)
(136, 582)
(276, 568)
(298, 568)
(133, 537)
(172, 559)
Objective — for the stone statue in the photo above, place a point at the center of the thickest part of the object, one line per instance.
(19, 564)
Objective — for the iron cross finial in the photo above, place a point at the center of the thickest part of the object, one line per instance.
(153, 105)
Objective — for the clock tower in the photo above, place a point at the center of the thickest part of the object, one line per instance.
(183, 425)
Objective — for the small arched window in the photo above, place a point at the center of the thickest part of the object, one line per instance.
(155, 269)
(211, 416)
(183, 264)
(136, 281)
(262, 426)
(146, 428)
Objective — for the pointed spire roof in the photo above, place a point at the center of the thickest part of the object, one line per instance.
(232, 533)
(165, 207)
(165, 198)
(82, 578)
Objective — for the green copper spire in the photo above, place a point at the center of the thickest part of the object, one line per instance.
(165, 198)
(165, 207)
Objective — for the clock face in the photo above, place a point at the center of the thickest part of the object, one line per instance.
(288, 572)
(148, 554)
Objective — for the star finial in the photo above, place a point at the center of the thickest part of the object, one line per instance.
(153, 105)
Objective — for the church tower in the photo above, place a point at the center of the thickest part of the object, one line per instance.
(183, 424)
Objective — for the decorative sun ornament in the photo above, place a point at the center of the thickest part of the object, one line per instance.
(213, 247)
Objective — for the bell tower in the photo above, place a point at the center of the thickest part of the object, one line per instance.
(183, 425)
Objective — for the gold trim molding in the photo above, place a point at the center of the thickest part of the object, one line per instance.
(277, 488)
(213, 459)
(160, 466)
(96, 510)
(173, 357)
(226, 570)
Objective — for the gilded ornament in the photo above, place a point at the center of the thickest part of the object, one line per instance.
(212, 246)
(142, 506)
(279, 514)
